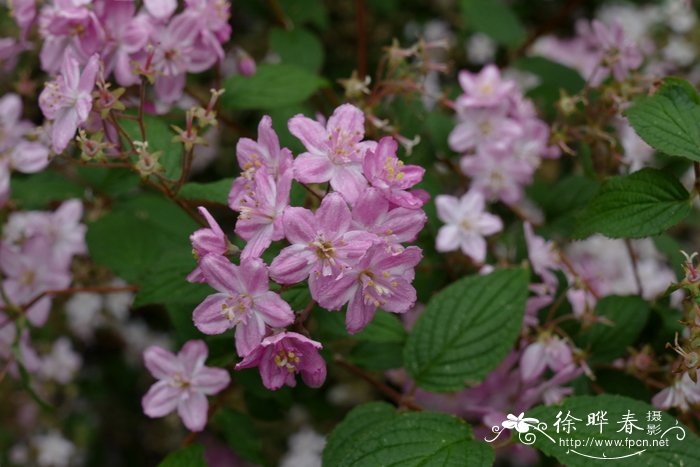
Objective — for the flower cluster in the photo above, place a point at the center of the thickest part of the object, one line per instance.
(350, 250)
(597, 51)
(499, 135)
(155, 40)
(36, 250)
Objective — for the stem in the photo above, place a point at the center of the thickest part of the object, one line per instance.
(142, 101)
(572, 270)
(391, 393)
(307, 188)
(633, 258)
(68, 291)
(186, 167)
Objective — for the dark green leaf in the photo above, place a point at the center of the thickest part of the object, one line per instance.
(375, 434)
(642, 204)
(628, 316)
(191, 456)
(669, 121)
(495, 19)
(239, 432)
(37, 190)
(466, 330)
(272, 86)
(298, 47)
(216, 192)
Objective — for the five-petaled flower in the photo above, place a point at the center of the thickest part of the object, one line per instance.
(183, 383)
(244, 301)
(281, 356)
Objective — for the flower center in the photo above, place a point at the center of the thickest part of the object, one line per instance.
(393, 169)
(179, 381)
(324, 248)
(287, 359)
(28, 277)
(235, 308)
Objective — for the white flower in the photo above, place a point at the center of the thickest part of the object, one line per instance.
(519, 423)
(53, 450)
(62, 363)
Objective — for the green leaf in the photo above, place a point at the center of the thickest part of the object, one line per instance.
(272, 86)
(606, 342)
(298, 47)
(563, 201)
(466, 330)
(669, 121)
(684, 451)
(137, 233)
(495, 19)
(384, 328)
(306, 12)
(124, 243)
(165, 281)
(239, 433)
(642, 204)
(375, 434)
(191, 456)
(37, 190)
(552, 74)
(377, 355)
(216, 192)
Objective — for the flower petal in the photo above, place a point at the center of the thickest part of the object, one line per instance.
(161, 399)
(208, 316)
(275, 312)
(193, 411)
(161, 363)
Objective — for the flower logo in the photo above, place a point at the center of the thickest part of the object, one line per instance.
(519, 423)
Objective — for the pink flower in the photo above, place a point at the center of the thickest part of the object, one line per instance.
(466, 224)
(244, 301)
(622, 54)
(479, 127)
(381, 279)
(548, 352)
(335, 152)
(207, 241)
(183, 383)
(127, 36)
(681, 395)
(543, 256)
(67, 100)
(387, 173)
(322, 243)
(211, 20)
(173, 56)
(28, 274)
(160, 9)
(497, 174)
(485, 89)
(261, 203)
(371, 213)
(12, 127)
(265, 152)
(281, 356)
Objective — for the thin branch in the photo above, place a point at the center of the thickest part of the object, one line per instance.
(68, 291)
(307, 188)
(391, 393)
(635, 268)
